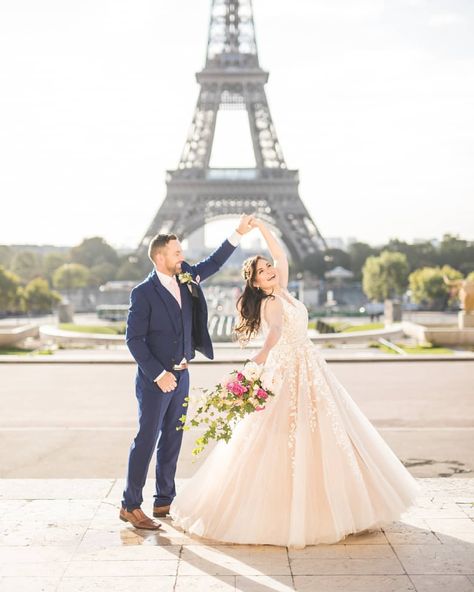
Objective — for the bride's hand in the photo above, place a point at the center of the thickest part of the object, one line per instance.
(260, 358)
(256, 222)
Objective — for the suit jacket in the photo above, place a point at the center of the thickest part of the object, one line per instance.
(160, 333)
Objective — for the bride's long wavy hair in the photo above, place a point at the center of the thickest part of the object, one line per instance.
(249, 303)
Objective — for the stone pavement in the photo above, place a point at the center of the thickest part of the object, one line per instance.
(56, 417)
(64, 535)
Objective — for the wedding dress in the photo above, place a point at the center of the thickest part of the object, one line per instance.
(308, 469)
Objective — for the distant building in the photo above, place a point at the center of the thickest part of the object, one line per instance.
(335, 242)
(433, 241)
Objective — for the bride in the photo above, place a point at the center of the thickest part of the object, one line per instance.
(310, 468)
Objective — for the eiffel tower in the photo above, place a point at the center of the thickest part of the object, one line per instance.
(196, 193)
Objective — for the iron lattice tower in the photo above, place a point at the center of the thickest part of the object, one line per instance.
(196, 193)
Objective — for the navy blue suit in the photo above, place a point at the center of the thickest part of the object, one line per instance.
(159, 334)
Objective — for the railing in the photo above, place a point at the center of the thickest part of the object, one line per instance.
(221, 327)
(232, 174)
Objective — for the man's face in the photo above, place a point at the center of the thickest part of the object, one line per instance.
(169, 259)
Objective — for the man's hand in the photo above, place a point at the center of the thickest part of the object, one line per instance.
(256, 222)
(167, 382)
(245, 224)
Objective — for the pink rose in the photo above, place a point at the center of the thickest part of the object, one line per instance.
(258, 408)
(261, 394)
(240, 376)
(236, 388)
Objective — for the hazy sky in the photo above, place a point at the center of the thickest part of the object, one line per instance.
(373, 102)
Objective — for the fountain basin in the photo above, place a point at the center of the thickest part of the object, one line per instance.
(449, 335)
(11, 335)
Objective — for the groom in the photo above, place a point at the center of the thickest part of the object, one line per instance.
(167, 322)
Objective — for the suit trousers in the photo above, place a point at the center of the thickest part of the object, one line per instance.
(158, 418)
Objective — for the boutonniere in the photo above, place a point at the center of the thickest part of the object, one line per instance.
(186, 278)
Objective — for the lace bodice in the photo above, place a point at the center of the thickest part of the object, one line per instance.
(295, 322)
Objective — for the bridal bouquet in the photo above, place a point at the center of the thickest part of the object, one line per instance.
(240, 394)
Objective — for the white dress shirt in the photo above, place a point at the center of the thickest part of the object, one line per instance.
(235, 238)
(169, 281)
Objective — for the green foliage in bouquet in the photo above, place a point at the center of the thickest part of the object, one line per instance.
(226, 404)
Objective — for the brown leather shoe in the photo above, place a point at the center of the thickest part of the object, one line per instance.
(161, 511)
(138, 519)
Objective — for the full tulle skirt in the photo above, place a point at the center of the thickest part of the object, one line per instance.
(308, 469)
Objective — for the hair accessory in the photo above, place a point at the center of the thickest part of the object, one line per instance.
(247, 271)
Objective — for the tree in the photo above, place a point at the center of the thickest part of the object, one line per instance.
(38, 296)
(101, 273)
(422, 254)
(358, 253)
(133, 269)
(10, 291)
(26, 264)
(51, 262)
(385, 276)
(315, 264)
(427, 286)
(94, 251)
(337, 258)
(71, 276)
(418, 254)
(455, 251)
(6, 255)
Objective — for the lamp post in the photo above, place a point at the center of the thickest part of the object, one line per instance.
(300, 278)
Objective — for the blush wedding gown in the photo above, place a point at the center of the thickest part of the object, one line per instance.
(308, 469)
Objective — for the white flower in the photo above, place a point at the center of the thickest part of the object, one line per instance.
(252, 371)
(226, 378)
(185, 278)
(270, 377)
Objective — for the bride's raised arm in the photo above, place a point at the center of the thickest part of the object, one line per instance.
(280, 260)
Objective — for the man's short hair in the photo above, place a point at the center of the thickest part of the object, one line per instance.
(158, 242)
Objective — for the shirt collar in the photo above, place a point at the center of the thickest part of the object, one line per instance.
(165, 279)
